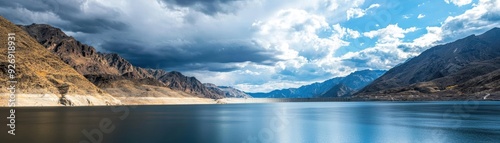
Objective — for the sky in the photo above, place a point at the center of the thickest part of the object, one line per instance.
(261, 45)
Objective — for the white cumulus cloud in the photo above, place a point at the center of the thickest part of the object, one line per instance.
(420, 16)
(459, 2)
(356, 12)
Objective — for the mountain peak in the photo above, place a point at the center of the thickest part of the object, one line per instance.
(44, 31)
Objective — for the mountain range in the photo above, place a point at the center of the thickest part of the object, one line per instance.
(329, 88)
(56, 69)
(466, 69)
(115, 74)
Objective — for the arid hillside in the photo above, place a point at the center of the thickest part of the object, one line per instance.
(42, 78)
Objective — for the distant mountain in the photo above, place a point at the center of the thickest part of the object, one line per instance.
(338, 90)
(113, 73)
(306, 91)
(231, 92)
(353, 82)
(465, 69)
(43, 79)
(227, 91)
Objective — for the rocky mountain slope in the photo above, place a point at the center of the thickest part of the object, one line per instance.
(339, 90)
(43, 79)
(353, 82)
(177, 81)
(113, 73)
(465, 69)
(227, 91)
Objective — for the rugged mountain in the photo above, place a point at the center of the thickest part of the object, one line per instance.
(113, 73)
(231, 92)
(338, 90)
(354, 81)
(464, 69)
(227, 91)
(306, 91)
(175, 80)
(214, 88)
(42, 78)
(124, 67)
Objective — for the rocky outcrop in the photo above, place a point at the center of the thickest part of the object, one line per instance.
(125, 68)
(42, 78)
(464, 69)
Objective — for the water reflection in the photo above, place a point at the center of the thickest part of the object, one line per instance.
(280, 122)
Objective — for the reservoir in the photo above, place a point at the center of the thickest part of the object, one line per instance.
(297, 122)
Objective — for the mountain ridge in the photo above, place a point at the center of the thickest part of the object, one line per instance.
(227, 91)
(112, 69)
(445, 71)
(354, 81)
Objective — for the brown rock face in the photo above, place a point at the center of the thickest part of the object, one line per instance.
(177, 81)
(83, 58)
(43, 79)
(112, 72)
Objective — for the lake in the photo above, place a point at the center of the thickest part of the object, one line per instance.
(299, 122)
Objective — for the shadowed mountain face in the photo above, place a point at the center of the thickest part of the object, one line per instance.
(42, 78)
(338, 90)
(350, 84)
(465, 69)
(113, 73)
(353, 82)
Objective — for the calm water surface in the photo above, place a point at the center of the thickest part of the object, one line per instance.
(308, 122)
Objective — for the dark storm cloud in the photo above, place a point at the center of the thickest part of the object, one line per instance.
(67, 10)
(209, 7)
(210, 56)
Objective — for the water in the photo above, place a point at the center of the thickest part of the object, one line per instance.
(306, 122)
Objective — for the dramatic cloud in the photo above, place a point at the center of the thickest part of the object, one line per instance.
(482, 17)
(212, 56)
(71, 15)
(387, 52)
(209, 7)
(258, 45)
